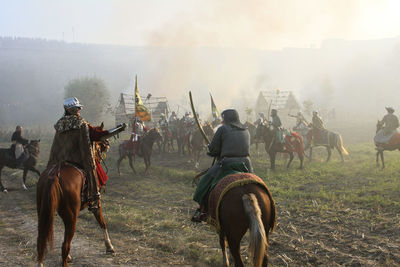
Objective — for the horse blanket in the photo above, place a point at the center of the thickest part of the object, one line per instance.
(290, 142)
(223, 186)
(391, 139)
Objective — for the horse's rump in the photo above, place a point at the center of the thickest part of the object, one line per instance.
(224, 185)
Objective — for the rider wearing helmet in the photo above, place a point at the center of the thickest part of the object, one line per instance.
(18, 143)
(73, 144)
(231, 147)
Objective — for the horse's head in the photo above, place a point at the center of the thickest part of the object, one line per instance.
(379, 125)
(34, 147)
(155, 134)
(101, 148)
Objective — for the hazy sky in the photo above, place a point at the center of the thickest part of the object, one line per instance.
(263, 24)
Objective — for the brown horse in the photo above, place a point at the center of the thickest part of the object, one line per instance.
(293, 144)
(394, 144)
(60, 188)
(246, 207)
(144, 149)
(7, 159)
(197, 142)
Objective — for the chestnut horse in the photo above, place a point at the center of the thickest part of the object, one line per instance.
(144, 149)
(60, 188)
(7, 159)
(293, 144)
(394, 144)
(246, 207)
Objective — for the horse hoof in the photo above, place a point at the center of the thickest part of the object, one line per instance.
(5, 190)
(69, 258)
(24, 187)
(110, 250)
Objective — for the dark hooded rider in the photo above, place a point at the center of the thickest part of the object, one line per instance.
(18, 143)
(277, 124)
(231, 147)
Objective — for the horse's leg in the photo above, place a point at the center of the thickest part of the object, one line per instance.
(340, 153)
(24, 179)
(234, 247)
(310, 157)
(272, 160)
(377, 158)
(130, 164)
(383, 160)
(223, 244)
(291, 156)
(2, 188)
(69, 216)
(99, 217)
(118, 164)
(33, 169)
(301, 158)
(328, 149)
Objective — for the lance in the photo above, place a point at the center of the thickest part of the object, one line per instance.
(197, 119)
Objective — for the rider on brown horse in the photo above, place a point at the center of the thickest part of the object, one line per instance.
(73, 144)
(390, 123)
(231, 146)
(18, 143)
(317, 126)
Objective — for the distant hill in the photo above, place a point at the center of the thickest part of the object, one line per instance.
(351, 76)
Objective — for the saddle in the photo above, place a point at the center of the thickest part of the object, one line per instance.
(224, 185)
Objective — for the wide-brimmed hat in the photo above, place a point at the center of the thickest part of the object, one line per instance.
(389, 109)
(231, 116)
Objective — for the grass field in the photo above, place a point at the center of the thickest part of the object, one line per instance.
(329, 214)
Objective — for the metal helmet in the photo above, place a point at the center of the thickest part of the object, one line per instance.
(72, 102)
(315, 111)
(186, 113)
(173, 113)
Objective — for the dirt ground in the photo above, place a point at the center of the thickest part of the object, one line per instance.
(149, 224)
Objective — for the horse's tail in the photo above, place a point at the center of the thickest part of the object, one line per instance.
(339, 144)
(49, 195)
(258, 240)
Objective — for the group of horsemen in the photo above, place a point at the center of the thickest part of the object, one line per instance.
(74, 140)
(168, 127)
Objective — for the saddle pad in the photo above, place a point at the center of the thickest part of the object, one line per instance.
(395, 140)
(223, 186)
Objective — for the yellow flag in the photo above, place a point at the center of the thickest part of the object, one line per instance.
(214, 110)
(141, 110)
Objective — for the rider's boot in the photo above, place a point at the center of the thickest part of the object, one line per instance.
(200, 215)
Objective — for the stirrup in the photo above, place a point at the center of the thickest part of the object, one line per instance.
(199, 216)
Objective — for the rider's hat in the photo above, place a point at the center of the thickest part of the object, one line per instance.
(389, 109)
(231, 116)
(72, 102)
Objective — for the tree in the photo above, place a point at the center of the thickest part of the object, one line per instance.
(92, 93)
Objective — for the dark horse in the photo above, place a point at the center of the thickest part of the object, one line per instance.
(197, 142)
(60, 188)
(144, 149)
(182, 139)
(393, 145)
(7, 159)
(293, 144)
(333, 140)
(246, 207)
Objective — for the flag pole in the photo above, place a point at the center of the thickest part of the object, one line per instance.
(134, 123)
